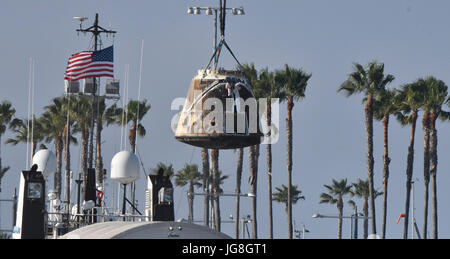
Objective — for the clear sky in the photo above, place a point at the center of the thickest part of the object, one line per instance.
(323, 37)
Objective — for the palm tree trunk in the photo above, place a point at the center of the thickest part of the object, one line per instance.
(67, 162)
(426, 170)
(84, 157)
(409, 172)
(1, 168)
(218, 218)
(269, 169)
(91, 143)
(290, 106)
(255, 191)
(386, 161)
(99, 160)
(366, 217)
(205, 166)
(215, 167)
(57, 177)
(370, 160)
(433, 172)
(132, 139)
(191, 202)
(340, 206)
(238, 190)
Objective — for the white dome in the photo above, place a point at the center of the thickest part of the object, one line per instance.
(46, 162)
(125, 167)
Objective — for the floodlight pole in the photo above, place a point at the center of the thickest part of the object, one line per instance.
(223, 9)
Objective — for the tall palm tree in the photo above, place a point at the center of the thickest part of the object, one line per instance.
(238, 189)
(214, 181)
(53, 122)
(411, 98)
(51, 125)
(253, 78)
(336, 193)
(385, 105)
(189, 175)
(293, 83)
(6, 114)
(83, 115)
(267, 88)
(205, 184)
(69, 106)
(360, 189)
(134, 113)
(435, 98)
(281, 195)
(368, 81)
(253, 180)
(100, 110)
(116, 115)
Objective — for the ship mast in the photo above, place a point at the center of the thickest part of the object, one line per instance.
(96, 31)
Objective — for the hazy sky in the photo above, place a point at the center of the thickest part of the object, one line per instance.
(323, 37)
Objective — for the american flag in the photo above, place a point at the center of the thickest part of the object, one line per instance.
(90, 64)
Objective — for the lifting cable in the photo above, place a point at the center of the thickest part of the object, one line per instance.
(222, 42)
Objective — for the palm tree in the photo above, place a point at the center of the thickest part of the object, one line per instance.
(253, 180)
(22, 134)
(51, 125)
(361, 190)
(281, 195)
(83, 117)
(214, 181)
(238, 189)
(369, 81)
(100, 110)
(56, 124)
(6, 114)
(189, 175)
(252, 76)
(266, 88)
(293, 83)
(411, 98)
(134, 113)
(335, 195)
(385, 105)
(166, 168)
(435, 98)
(205, 184)
(115, 115)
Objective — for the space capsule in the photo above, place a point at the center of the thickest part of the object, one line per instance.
(220, 112)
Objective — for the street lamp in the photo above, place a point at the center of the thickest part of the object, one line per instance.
(251, 195)
(354, 216)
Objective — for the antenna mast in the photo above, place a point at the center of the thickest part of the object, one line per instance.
(96, 31)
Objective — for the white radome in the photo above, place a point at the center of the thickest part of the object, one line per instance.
(46, 162)
(125, 167)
